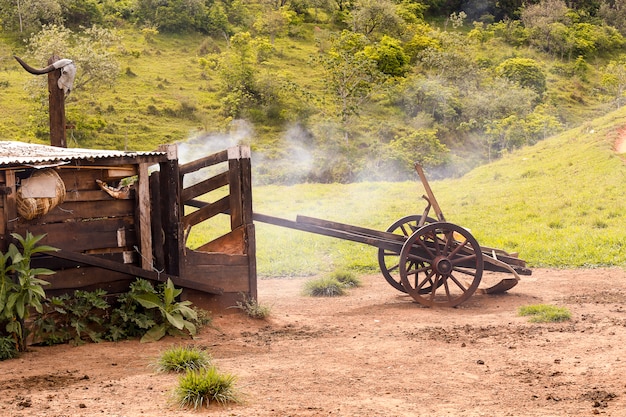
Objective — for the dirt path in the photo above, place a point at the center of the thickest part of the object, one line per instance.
(371, 353)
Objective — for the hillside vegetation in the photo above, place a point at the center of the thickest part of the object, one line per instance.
(322, 91)
(558, 203)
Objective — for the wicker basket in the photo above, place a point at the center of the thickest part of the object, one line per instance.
(33, 207)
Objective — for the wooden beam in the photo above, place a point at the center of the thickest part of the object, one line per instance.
(136, 271)
(143, 207)
(56, 102)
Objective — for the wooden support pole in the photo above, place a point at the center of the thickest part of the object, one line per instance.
(170, 184)
(56, 102)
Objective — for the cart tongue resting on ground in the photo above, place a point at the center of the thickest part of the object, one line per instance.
(436, 262)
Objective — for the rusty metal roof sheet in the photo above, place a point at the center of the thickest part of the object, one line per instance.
(12, 153)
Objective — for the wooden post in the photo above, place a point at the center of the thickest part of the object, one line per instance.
(56, 103)
(170, 184)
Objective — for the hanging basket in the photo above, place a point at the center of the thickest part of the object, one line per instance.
(40, 193)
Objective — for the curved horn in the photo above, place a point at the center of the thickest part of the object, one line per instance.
(35, 71)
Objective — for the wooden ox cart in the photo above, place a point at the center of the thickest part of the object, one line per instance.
(435, 262)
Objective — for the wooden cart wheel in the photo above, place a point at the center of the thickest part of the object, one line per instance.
(389, 259)
(445, 258)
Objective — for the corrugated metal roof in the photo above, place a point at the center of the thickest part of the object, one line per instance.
(12, 153)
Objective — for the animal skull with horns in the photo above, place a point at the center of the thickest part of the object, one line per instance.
(68, 72)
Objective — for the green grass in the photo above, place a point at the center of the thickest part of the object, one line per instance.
(197, 389)
(543, 313)
(324, 287)
(182, 359)
(253, 308)
(558, 204)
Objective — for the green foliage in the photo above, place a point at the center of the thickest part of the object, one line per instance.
(7, 348)
(20, 289)
(183, 359)
(75, 318)
(524, 71)
(543, 313)
(197, 389)
(176, 316)
(253, 308)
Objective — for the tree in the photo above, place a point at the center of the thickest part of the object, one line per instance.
(91, 50)
(376, 16)
(29, 15)
(389, 56)
(350, 75)
(614, 79)
(525, 72)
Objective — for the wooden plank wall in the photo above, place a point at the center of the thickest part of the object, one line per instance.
(89, 221)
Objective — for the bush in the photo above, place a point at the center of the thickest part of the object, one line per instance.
(199, 388)
(182, 359)
(8, 350)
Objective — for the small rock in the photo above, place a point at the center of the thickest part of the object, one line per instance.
(480, 362)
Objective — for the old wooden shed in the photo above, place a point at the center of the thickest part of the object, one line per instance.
(119, 215)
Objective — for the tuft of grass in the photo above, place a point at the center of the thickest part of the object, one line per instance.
(324, 287)
(346, 278)
(182, 359)
(252, 308)
(545, 313)
(198, 389)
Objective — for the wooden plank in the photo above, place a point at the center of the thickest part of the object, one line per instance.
(229, 272)
(206, 212)
(203, 187)
(88, 195)
(391, 242)
(246, 186)
(170, 181)
(82, 210)
(236, 199)
(232, 243)
(200, 285)
(10, 208)
(81, 236)
(79, 278)
(207, 161)
(144, 225)
(251, 251)
(158, 238)
(78, 179)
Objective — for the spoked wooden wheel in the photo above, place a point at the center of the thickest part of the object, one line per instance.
(389, 259)
(444, 258)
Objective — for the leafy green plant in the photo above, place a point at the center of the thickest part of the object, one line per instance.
(128, 317)
(176, 316)
(20, 289)
(200, 388)
(324, 287)
(8, 350)
(545, 313)
(78, 317)
(252, 308)
(182, 359)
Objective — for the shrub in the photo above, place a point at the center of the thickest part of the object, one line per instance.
(544, 313)
(182, 359)
(199, 388)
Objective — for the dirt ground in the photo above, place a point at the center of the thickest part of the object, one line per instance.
(373, 352)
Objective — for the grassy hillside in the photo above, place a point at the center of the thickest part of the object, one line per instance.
(558, 203)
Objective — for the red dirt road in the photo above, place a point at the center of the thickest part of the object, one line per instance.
(371, 353)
